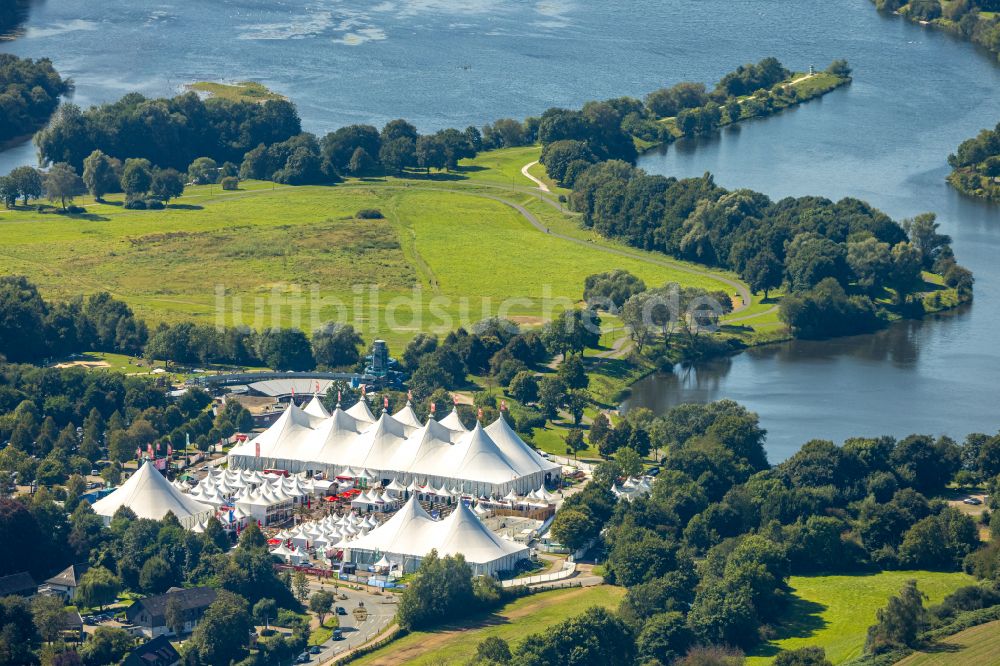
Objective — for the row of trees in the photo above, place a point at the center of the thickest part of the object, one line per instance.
(33, 329)
(144, 185)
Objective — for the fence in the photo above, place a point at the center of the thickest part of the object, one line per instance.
(569, 568)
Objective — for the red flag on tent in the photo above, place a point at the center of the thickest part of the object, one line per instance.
(433, 408)
(385, 402)
(170, 450)
(256, 451)
(364, 389)
(503, 405)
(454, 400)
(409, 396)
(480, 414)
(317, 387)
(149, 449)
(338, 397)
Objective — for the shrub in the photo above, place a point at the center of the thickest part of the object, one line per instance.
(155, 204)
(230, 183)
(369, 214)
(135, 204)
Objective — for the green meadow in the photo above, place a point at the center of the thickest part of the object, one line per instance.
(456, 643)
(450, 247)
(834, 612)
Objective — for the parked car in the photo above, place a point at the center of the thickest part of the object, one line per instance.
(341, 610)
(975, 501)
(303, 658)
(315, 649)
(338, 635)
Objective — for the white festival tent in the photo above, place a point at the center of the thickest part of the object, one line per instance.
(149, 495)
(409, 535)
(482, 461)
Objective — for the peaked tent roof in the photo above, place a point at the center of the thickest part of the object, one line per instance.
(453, 422)
(407, 416)
(316, 408)
(361, 412)
(150, 495)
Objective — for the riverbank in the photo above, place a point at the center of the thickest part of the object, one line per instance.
(979, 27)
(970, 182)
(797, 89)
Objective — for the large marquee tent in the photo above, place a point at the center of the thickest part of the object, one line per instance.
(439, 454)
(412, 533)
(149, 495)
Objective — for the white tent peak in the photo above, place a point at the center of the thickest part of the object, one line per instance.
(316, 408)
(453, 422)
(149, 495)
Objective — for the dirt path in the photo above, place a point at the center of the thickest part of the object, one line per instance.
(527, 174)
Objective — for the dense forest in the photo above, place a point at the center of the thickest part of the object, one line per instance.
(976, 165)
(12, 13)
(29, 93)
(837, 259)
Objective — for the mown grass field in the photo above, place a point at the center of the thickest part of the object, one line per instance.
(834, 612)
(271, 255)
(456, 644)
(976, 645)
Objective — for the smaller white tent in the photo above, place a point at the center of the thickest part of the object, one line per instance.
(149, 495)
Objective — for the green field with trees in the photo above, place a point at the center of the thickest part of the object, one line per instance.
(833, 612)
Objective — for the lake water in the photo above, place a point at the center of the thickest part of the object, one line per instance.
(917, 93)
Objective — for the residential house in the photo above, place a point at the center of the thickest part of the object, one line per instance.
(20, 584)
(66, 581)
(150, 614)
(157, 652)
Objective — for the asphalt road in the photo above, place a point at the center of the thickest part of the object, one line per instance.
(381, 611)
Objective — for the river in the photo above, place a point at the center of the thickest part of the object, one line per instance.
(917, 93)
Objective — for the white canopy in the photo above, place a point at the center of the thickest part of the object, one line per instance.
(411, 533)
(491, 460)
(150, 495)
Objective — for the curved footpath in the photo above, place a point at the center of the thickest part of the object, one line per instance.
(527, 174)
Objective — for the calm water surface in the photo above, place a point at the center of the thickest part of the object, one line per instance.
(440, 63)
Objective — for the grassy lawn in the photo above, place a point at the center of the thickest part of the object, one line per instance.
(455, 644)
(244, 91)
(976, 645)
(322, 634)
(834, 612)
(272, 255)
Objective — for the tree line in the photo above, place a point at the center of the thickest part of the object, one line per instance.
(573, 140)
(835, 258)
(33, 329)
(265, 141)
